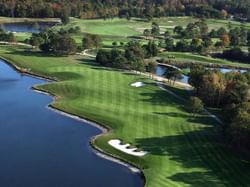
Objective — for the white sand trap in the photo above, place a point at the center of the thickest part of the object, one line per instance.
(124, 148)
(138, 84)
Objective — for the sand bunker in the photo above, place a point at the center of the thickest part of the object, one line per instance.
(126, 148)
(138, 84)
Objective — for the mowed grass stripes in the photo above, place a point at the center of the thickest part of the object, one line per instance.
(184, 150)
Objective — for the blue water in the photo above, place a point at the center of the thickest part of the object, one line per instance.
(40, 148)
(26, 27)
(160, 70)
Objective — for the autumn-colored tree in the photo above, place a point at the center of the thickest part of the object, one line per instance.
(225, 39)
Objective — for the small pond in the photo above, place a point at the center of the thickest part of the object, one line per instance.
(31, 27)
(160, 70)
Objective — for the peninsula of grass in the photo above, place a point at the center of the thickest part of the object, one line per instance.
(185, 57)
(184, 150)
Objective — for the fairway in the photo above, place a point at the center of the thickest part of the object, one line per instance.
(184, 150)
(113, 27)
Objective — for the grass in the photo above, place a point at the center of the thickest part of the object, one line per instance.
(21, 36)
(189, 57)
(134, 27)
(184, 150)
(113, 27)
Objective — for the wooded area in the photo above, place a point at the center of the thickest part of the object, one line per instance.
(240, 9)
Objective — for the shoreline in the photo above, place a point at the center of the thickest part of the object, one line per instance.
(27, 20)
(104, 129)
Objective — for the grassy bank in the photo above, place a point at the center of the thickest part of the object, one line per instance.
(189, 57)
(184, 150)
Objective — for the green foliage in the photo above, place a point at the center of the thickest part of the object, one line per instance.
(239, 129)
(195, 105)
(7, 37)
(132, 58)
(59, 43)
(173, 74)
(62, 45)
(151, 49)
(91, 40)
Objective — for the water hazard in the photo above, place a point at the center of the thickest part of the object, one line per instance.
(42, 148)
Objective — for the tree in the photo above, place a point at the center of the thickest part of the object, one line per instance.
(239, 129)
(234, 35)
(155, 31)
(103, 57)
(178, 30)
(8, 37)
(213, 34)
(195, 77)
(63, 45)
(151, 49)
(151, 68)
(182, 46)
(146, 33)
(221, 31)
(36, 40)
(120, 62)
(87, 42)
(167, 34)
(138, 65)
(11, 37)
(65, 16)
(172, 74)
(90, 41)
(196, 45)
(207, 41)
(97, 40)
(169, 42)
(225, 40)
(114, 43)
(195, 105)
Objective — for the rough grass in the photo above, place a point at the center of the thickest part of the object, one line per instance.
(184, 150)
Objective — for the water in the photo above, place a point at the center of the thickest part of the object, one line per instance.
(27, 26)
(160, 70)
(42, 148)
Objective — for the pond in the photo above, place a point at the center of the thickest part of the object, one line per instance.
(31, 27)
(160, 70)
(40, 147)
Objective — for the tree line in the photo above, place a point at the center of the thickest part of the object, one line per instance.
(54, 42)
(125, 8)
(231, 93)
(130, 58)
(197, 38)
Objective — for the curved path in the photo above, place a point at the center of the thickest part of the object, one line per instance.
(17, 43)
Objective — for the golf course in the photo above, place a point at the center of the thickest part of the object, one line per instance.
(183, 149)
